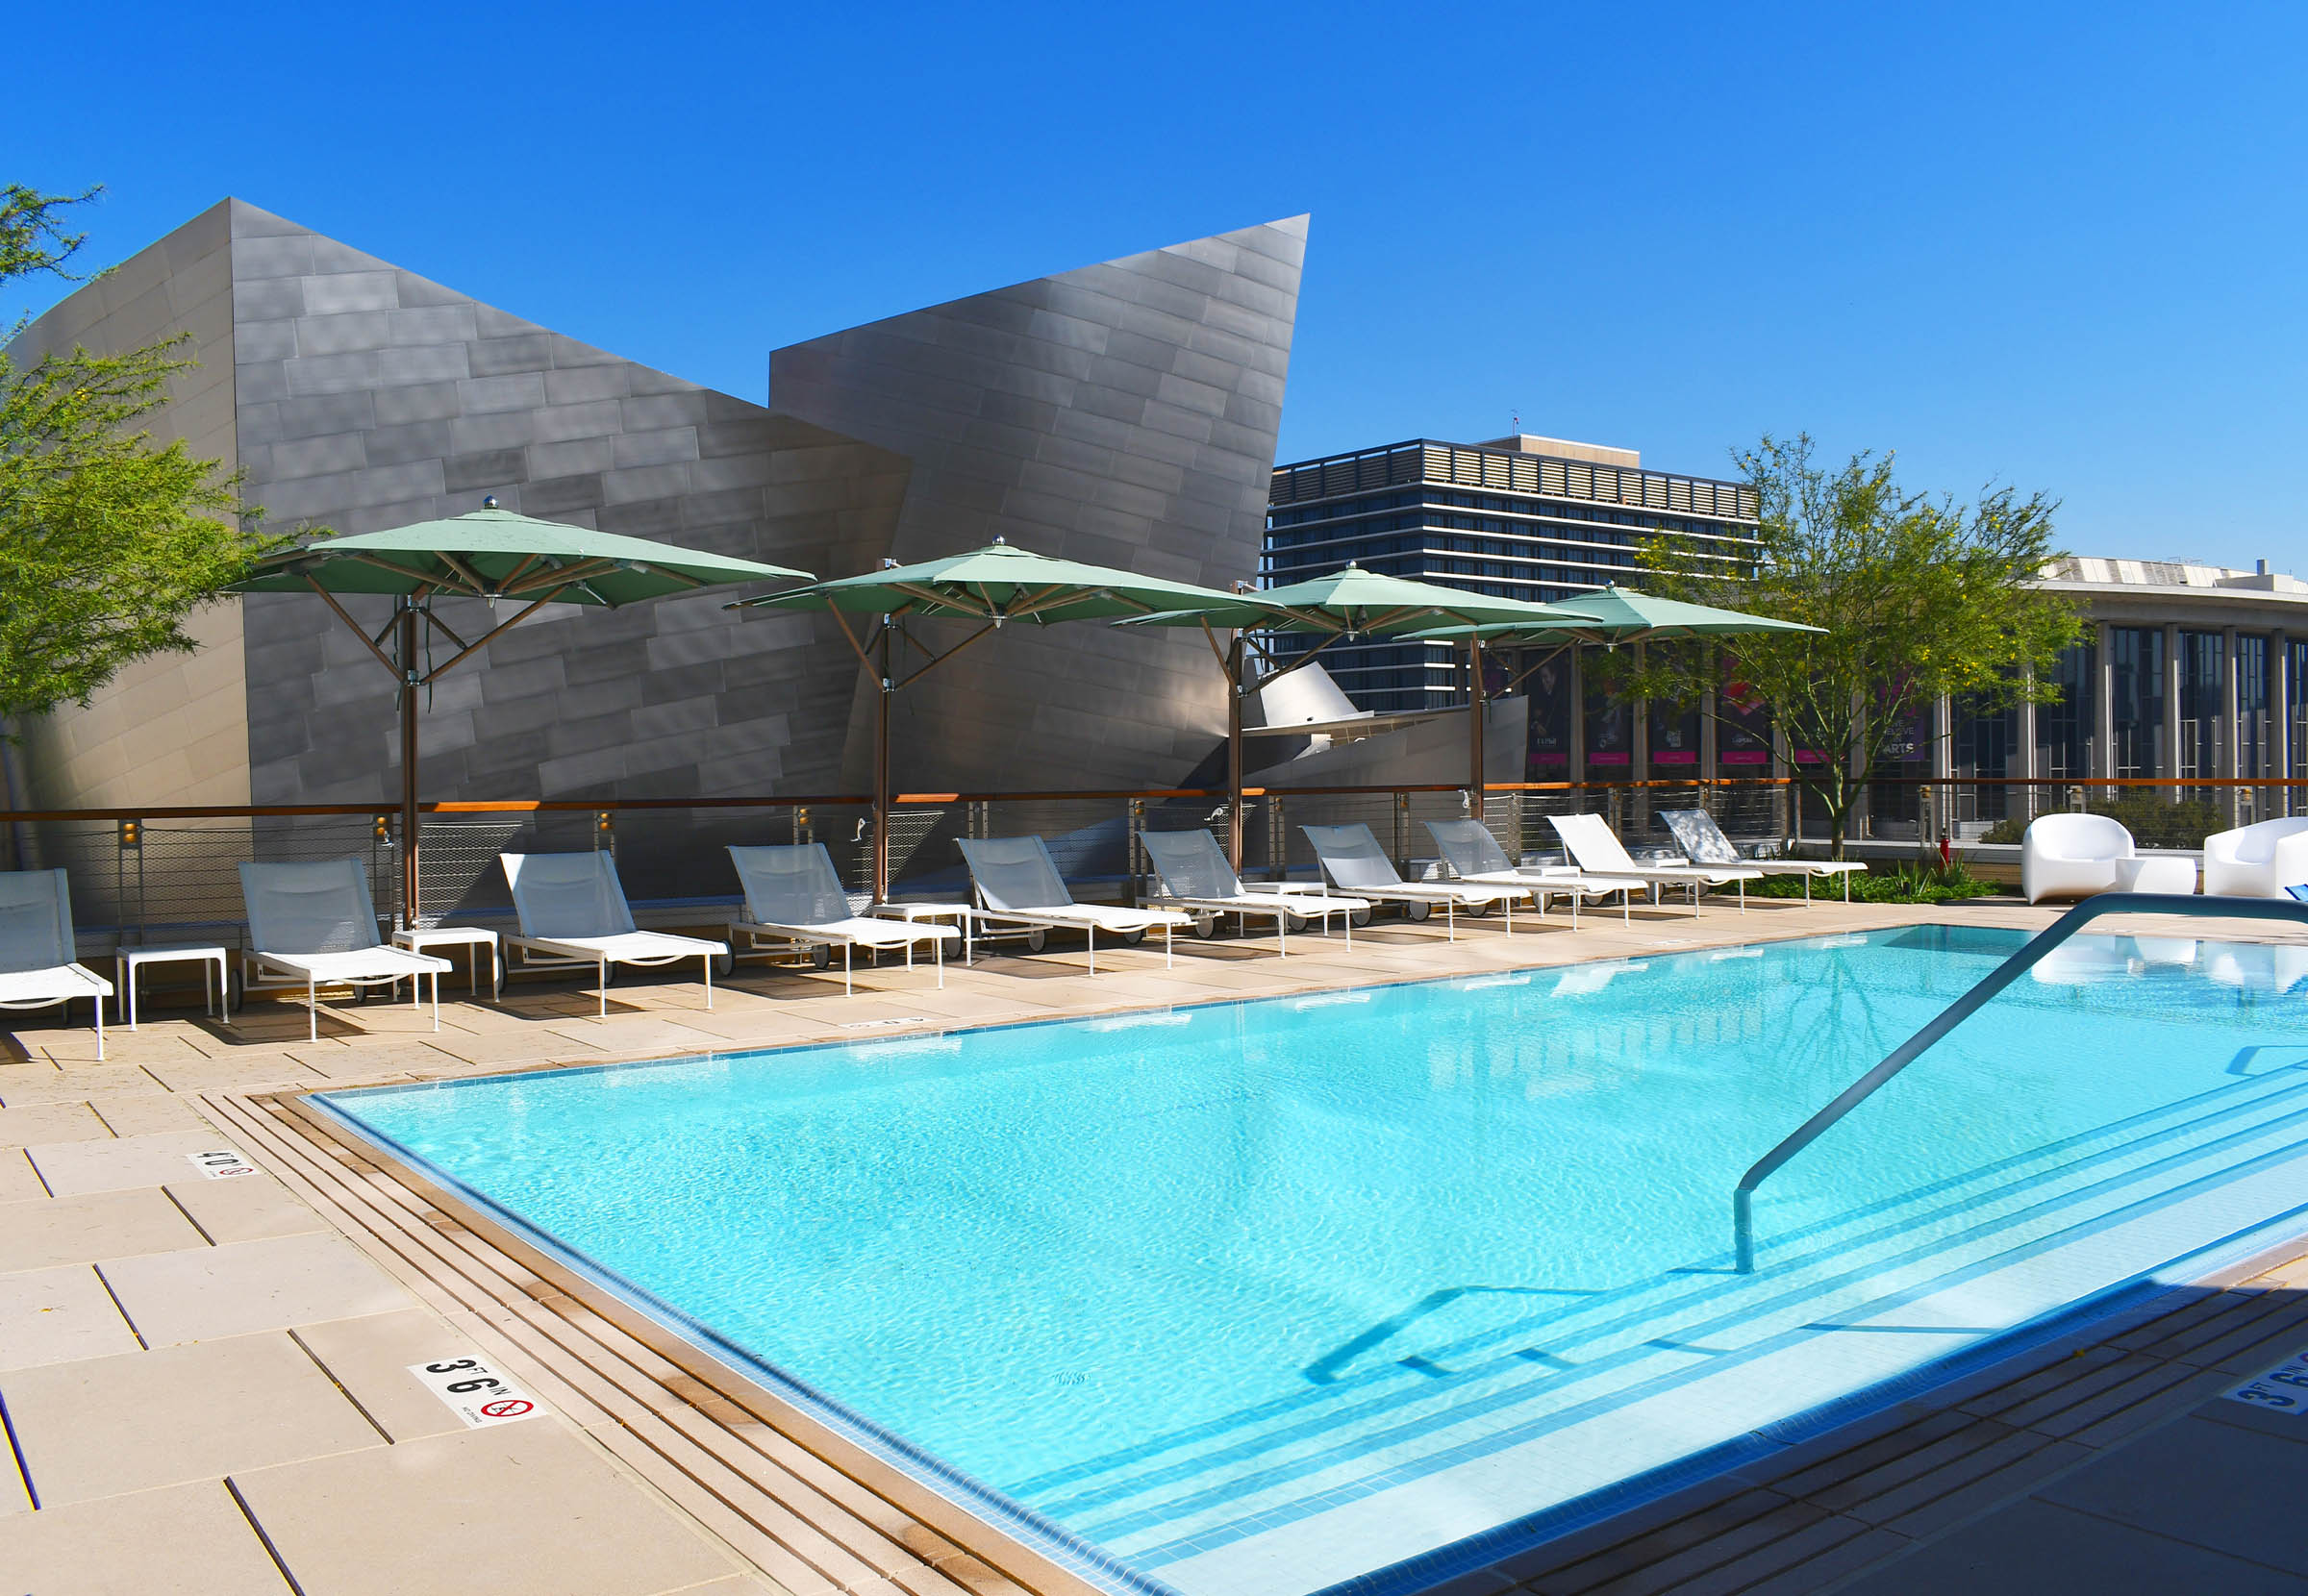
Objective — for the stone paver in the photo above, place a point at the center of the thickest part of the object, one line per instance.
(54, 1316)
(199, 1294)
(370, 1356)
(122, 1163)
(107, 1426)
(248, 1208)
(43, 1122)
(49, 1232)
(187, 1541)
(2035, 1549)
(521, 1509)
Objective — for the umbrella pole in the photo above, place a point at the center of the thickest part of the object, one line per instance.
(408, 653)
(1475, 724)
(1234, 754)
(881, 772)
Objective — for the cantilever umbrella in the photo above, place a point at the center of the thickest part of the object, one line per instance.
(996, 586)
(493, 555)
(1344, 605)
(1618, 615)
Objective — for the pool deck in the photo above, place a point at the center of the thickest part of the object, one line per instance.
(206, 1383)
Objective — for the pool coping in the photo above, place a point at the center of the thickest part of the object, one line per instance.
(2099, 1319)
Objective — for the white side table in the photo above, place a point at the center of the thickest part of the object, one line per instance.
(420, 939)
(962, 915)
(215, 992)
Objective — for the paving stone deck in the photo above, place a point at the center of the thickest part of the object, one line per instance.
(206, 1383)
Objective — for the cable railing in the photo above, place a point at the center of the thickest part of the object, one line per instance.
(2041, 944)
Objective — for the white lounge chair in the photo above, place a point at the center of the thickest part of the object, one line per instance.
(1353, 860)
(2257, 862)
(38, 964)
(1598, 850)
(1704, 842)
(2075, 856)
(1474, 856)
(1196, 878)
(573, 912)
(792, 895)
(1016, 883)
(316, 923)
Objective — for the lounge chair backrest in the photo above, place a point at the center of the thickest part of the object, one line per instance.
(1191, 864)
(1468, 848)
(1593, 843)
(36, 921)
(1352, 857)
(322, 907)
(1700, 839)
(1014, 873)
(790, 886)
(567, 894)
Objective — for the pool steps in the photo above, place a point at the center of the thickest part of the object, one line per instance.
(2040, 1228)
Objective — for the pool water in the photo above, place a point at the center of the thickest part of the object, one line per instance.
(1259, 1298)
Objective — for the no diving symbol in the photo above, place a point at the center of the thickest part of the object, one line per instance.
(506, 1408)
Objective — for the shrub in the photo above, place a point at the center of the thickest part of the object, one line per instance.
(1916, 881)
(2153, 822)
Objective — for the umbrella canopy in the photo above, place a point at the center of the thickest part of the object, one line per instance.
(494, 554)
(996, 586)
(1353, 602)
(1619, 615)
(490, 554)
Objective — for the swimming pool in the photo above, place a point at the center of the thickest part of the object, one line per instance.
(1260, 1298)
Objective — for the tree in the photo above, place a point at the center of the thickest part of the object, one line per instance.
(1919, 598)
(108, 540)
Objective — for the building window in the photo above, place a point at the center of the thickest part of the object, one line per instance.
(2203, 717)
(2136, 700)
(2064, 725)
(2251, 707)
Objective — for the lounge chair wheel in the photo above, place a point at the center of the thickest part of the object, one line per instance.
(821, 956)
(234, 995)
(1478, 911)
(1416, 911)
(1036, 940)
(1358, 917)
(1293, 922)
(1132, 938)
(724, 963)
(1205, 926)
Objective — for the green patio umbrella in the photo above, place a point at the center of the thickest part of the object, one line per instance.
(1616, 615)
(492, 554)
(996, 585)
(1344, 605)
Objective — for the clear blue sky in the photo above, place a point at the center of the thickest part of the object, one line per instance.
(2056, 246)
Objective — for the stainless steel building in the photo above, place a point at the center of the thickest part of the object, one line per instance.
(1123, 412)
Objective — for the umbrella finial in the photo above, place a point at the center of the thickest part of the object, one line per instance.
(999, 542)
(489, 501)
(887, 563)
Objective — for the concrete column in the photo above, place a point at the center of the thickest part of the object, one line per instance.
(2280, 689)
(2171, 705)
(2228, 738)
(2103, 762)
(2029, 762)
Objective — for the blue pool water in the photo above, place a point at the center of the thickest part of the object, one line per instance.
(1259, 1298)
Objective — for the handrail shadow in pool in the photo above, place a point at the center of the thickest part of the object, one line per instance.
(1743, 1199)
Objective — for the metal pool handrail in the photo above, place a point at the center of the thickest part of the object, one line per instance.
(1743, 1215)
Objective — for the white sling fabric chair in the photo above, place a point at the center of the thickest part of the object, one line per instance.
(1196, 878)
(316, 923)
(1475, 857)
(573, 911)
(1704, 842)
(1353, 860)
(1590, 840)
(1016, 883)
(38, 965)
(792, 894)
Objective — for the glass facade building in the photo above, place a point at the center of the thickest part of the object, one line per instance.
(1522, 518)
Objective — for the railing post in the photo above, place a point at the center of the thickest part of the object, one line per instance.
(1135, 822)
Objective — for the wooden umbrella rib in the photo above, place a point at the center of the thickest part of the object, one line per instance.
(517, 572)
(472, 648)
(439, 625)
(940, 659)
(357, 630)
(466, 572)
(851, 638)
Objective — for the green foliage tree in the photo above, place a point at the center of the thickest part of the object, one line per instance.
(109, 538)
(1920, 597)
